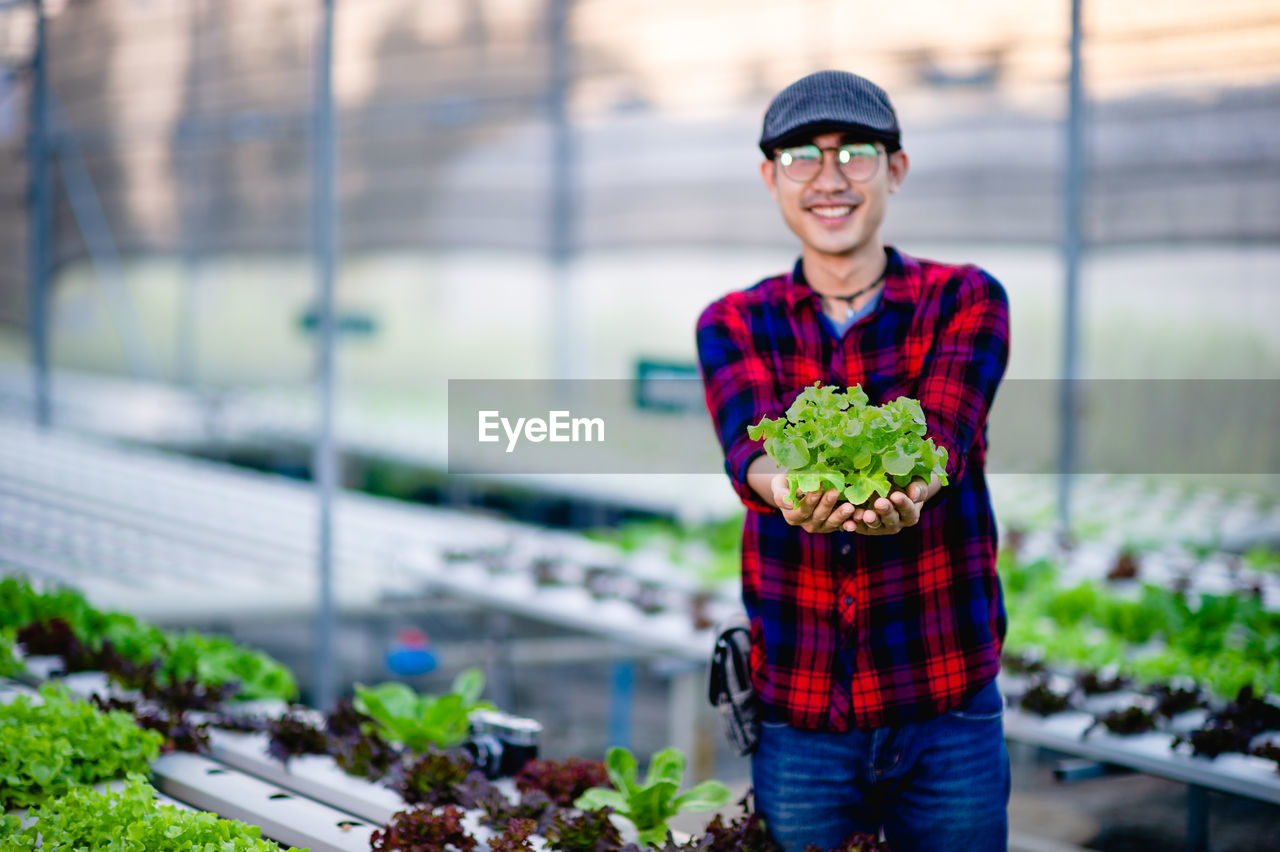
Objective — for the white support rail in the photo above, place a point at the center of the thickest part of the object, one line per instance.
(314, 776)
(285, 817)
(1150, 753)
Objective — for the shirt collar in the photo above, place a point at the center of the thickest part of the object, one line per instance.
(901, 281)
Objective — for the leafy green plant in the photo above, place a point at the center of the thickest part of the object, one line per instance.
(22, 604)
(1222, 641)
(61, 621)
(1262, 558)
(128, 820)
(837, 440)
(218, 661)
(10, 665)
(419, 721)
(52, 744)
(650, 804)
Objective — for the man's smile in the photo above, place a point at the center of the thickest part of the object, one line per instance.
(832, 211)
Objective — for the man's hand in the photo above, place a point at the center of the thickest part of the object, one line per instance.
(823, 513)
(815, 512)
(893, 514)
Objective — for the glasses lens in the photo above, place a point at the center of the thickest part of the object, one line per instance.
(802, 162)
(858, 162)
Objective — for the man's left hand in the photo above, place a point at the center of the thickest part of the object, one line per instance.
(891, 515)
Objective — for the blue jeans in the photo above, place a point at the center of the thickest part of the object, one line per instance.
(940, 785)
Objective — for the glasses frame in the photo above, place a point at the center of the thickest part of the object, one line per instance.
(784, 165)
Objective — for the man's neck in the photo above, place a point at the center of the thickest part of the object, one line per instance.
(843, 276)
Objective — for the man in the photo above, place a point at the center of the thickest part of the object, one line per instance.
(875, 629)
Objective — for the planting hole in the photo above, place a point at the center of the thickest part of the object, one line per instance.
(347, 825)
(279, 796)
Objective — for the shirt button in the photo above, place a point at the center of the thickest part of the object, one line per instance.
(848, 600)
(844, 550)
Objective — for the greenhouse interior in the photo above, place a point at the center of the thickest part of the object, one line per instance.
(360, 490)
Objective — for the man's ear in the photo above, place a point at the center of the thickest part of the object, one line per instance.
(898, 166)
(769, 172)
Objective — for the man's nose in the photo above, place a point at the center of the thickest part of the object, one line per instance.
(830, 176)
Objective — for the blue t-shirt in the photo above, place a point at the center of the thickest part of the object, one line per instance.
(839, 328)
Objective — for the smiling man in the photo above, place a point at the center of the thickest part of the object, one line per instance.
(875, 629)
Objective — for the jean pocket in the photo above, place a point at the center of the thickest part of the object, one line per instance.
(985, 705)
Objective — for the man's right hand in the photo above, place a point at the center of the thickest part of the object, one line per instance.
(815, 512)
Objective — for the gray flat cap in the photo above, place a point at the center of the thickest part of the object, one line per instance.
(829, 101)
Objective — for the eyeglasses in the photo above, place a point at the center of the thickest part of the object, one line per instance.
(857, 161)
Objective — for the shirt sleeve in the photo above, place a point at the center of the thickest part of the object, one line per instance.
(964, 365)
(738, 383)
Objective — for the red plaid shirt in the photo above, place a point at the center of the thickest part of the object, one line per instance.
(851, 630)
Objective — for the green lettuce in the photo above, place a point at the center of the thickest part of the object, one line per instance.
(830, 439)
(649, 805)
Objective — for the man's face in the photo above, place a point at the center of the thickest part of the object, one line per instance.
(831, 214)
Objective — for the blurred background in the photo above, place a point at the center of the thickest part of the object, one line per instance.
(536, 189)
(179, 245)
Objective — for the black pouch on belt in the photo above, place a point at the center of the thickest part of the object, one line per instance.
(729, 684)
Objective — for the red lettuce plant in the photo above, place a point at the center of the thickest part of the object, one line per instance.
(589, 831)
(432, 778)
(747, 833)
(563, 781)
(515, 837)
(859, 842)
(533, 806)
(423, 830)
(293, 735)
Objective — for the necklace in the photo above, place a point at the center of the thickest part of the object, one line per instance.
(848, 300)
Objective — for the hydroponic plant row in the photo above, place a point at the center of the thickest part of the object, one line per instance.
(1160, 680)
(388, 738)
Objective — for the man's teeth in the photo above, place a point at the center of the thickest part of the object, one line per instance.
(832, 212)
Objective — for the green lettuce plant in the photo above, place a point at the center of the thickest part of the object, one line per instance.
(830, 439)
(1224, 642)
(127, 820)
(421, 721)
(10, 665)
(651, 803)
(218, 661)
(51, 744)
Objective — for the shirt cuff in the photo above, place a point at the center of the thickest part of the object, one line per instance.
(738, 477)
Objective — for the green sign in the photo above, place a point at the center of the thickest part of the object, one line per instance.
(346, 323)
(669, 386)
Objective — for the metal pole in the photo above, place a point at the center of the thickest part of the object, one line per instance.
(39, 224)
(324, 462)
(562, 325)
(192, 153)
(621, 698)
(1072, 245)
(1197, 818)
